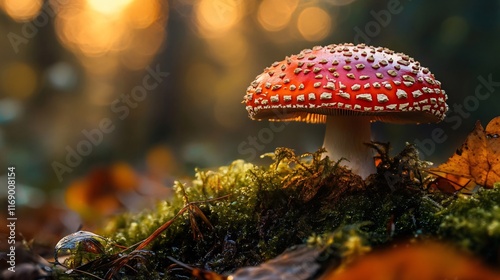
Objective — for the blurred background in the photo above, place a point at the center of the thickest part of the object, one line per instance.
(103, 103)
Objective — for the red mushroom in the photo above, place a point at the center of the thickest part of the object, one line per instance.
(347, 87)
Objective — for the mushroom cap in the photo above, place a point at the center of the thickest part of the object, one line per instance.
(347, 79)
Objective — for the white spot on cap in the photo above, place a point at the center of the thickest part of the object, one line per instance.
(426, 108)
(404, 106)
(311, 96)
(301, 98)
(382, 98)
(275, 98)
(364, 96)
(391, 107)
(379, 108)
(417, 93)
(325, 96)
(357, 107)
(408, 78)
(330, 85)
(344, 95)
(287, 98)
(400, 93)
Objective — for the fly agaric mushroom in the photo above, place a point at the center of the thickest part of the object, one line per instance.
(347, 87)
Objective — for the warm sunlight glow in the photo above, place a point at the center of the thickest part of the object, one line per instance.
(314, 24)
(108, 7)
(131, 30)
(22, 10)
(275, 15)
(143, 13)
(108, 37)
(217, 16)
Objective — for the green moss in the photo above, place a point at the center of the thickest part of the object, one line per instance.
(473, 223)
(242, 215)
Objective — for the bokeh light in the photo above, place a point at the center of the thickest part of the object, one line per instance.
(144, 13)
(110, 36)
(454, 30)
(274, 15)
(108, 7)
(22, 10)
(314, 24)
(10, 109)
(62, 76)
(91, 33)
(18, 80)
(95, 28)
(161, 162)
(214, 17)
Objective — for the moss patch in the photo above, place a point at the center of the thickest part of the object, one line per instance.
(242, 214)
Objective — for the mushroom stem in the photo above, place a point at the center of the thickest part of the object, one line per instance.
(345, 137)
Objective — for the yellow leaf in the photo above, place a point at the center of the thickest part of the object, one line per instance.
(476, 161)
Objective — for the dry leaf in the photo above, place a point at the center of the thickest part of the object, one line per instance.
(415, 261)
(477, 161)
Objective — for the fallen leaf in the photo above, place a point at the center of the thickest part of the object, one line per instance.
(415, 261)
(449, 183)
(476, 162)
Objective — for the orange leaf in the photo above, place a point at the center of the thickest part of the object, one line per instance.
(478, 159)
(415, 261)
